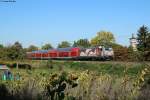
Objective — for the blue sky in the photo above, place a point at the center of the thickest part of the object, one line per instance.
(52, 21)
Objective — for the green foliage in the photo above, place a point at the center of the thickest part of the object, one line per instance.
(47, 46)
(1, 51)
(115, 45)
(103, 38)
(4, 92)
(82, 43)
(64, 44)
(50, 64)
(18, 51)
(143, 38)
(32, 48)
(12, 52)
(110, 68)
(1, 46)
(57, 84)
(134, 55)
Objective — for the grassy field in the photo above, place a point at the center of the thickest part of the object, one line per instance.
(69, 80)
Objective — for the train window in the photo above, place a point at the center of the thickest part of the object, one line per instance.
(110, 49)
(106, 48)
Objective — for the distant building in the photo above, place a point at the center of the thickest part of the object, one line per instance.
(133, 42)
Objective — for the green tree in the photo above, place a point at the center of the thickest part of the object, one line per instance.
(32, 48)
(1, 46)
(47, 46)
(64, 44)
(11, 53)
(2, 52)
(116, 46)
(17, 51)
(143, 37)
(17, 45)
(82, 43)
(103, 38)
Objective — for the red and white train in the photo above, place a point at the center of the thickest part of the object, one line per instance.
(73, 53)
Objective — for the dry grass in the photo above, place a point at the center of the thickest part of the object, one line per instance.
(91, 84)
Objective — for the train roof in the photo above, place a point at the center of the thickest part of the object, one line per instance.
(40, 51)
(64, 49)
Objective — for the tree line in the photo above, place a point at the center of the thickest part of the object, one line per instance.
(104, 38)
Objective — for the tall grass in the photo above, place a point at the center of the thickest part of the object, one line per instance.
(79, 81)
